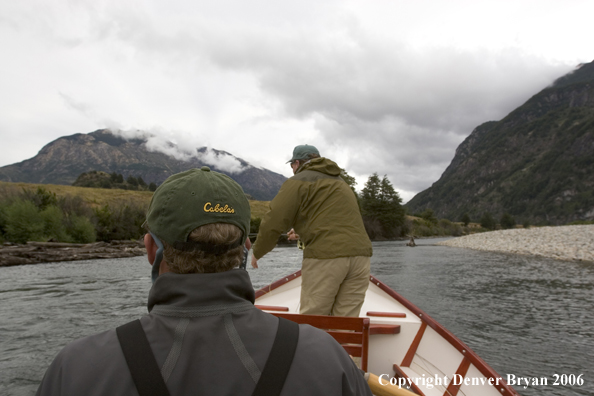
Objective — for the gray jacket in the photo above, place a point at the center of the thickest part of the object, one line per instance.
(209, 339)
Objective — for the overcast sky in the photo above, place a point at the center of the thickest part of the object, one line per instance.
(391, 87)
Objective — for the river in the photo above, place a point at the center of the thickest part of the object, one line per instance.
(530, 317)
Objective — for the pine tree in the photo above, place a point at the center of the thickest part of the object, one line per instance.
(350, 180)
(141, 182)
(465, 219)
(507, 221)
(487, 221)
(379, 201)
(131, 180)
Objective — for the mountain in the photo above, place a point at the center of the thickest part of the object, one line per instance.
(61, 161)
(536, 164)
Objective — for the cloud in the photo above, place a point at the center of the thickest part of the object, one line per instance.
(183, 147)
(358, 75)
(223, 161)
(378, 86)
(406, 110)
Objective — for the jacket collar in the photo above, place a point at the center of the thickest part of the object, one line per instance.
(199, 290)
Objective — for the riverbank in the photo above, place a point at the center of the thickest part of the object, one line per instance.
(573, 243)
(47, 252)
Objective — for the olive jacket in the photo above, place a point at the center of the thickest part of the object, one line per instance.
(322, 209)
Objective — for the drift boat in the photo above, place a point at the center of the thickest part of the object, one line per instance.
(402, 348)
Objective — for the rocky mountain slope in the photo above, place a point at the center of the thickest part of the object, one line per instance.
(61, 161)
(537, 163)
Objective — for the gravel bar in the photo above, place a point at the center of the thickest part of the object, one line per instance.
(575, 243)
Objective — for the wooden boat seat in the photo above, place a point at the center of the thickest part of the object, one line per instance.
(352, 333)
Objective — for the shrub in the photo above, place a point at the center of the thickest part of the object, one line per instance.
(465, 219)
(255, 225)
(141, 182)
(429, 215)
(131, 180)
(23, 222)
(42, 198)
(53, 226)
(81, 230)
(2, 221)
(507, 221)
(74, 205)
(120, 222)
(423, 230)
(373, 227)
(488, 222)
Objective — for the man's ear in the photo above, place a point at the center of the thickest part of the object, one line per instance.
(151, 248)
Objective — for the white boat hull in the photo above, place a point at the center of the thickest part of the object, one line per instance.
(422, 352)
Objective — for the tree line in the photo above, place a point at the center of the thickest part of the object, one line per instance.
(385, 217)
(40, 215)
(99, 179)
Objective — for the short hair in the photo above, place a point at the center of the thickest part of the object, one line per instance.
(200, 262)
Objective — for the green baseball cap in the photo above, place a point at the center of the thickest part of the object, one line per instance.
(194, 198)
(302, 152)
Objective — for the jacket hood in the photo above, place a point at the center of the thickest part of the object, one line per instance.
(323, 165)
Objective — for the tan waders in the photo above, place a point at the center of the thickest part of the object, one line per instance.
(334, 286)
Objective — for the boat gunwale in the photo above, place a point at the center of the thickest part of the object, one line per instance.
(466, 352)
(278, 283)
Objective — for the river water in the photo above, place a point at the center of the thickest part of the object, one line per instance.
(528, 317)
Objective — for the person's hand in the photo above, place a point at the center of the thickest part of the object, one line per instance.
(292, 236)
(254, 262)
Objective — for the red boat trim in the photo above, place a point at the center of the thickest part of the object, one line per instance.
(462, 370)
(384, 329)
(479, 363)
(387, 314)
(398, 371)
(278, 283)
(408, 358)
(272, 308)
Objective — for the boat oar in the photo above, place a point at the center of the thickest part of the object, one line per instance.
(385, 390)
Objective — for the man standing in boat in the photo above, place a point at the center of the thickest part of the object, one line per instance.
(203, 334)
(322, 209)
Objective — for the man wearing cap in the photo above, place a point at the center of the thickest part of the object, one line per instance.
(203, 334)
(323, 210)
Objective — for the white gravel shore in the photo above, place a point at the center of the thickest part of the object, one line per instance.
(574, 242)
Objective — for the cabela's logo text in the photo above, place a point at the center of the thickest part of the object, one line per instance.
(218, 208)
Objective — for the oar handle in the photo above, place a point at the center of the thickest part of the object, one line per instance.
(385, 390)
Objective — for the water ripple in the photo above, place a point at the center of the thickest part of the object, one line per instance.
(525, 316)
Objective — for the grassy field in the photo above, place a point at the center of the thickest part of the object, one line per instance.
(95, 197)
(99, 197)
(259, 208)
